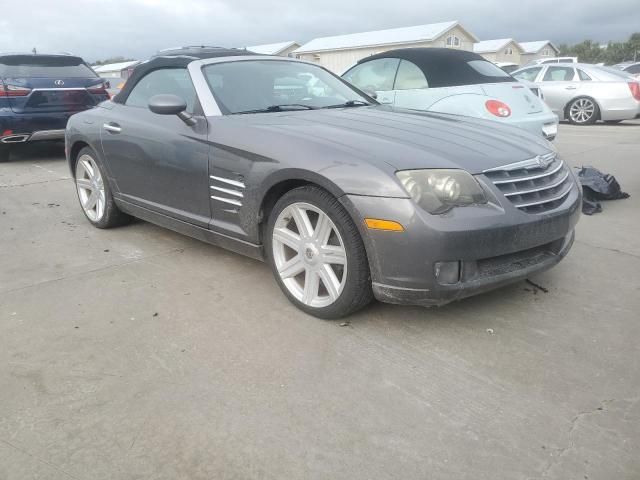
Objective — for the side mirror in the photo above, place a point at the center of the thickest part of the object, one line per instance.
(373, 95)
(166, 104)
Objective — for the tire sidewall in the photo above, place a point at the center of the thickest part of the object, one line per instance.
(354, 249)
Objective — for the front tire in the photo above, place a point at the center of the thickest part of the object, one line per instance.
(583, 111)
(316, 254)
(94, 192)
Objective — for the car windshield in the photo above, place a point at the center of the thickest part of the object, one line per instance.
(252, 86)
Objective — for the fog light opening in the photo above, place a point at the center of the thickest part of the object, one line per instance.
(448, 273)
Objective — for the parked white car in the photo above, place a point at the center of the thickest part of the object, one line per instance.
(508, 66)
(452, 81)
(632, 68)
(583, 93)
(545, 61)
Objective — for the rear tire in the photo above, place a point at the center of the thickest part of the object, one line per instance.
(94, 192)
(583, 111)
(5, 152)
(317, 255)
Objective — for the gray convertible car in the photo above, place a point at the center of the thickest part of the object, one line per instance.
(346, 199)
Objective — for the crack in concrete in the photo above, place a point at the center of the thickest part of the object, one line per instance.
(615, 250)
(40, 459)
(6, 185)
(571, 445)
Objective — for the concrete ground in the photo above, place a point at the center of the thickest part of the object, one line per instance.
(137, 353)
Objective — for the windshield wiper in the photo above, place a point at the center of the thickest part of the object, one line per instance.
(350, 103)
(279, 108)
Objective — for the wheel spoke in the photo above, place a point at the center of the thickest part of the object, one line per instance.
(302, 221)
(92, 200)
(100, 204)
(330, 281)
(333, 254)
(287, 237)
(323, 229)
(84, 183)
(311, 285)
(88, 168)
(291, 267)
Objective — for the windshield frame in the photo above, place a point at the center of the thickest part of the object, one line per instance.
(210, 106)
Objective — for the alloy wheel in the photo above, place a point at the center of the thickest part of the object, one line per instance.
(309, 254)
(90, 187)
(582, 110)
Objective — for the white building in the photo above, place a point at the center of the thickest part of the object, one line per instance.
(282, 49)
(536, 50)
(116, 70)
(500, 50)
(340, 52)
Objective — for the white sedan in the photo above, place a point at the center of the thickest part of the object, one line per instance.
(583, 93)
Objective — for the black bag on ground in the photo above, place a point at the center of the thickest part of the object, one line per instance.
(597, 186)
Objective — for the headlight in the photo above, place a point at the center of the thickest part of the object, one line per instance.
(438, 191)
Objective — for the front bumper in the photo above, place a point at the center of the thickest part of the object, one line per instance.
(493, 245)
(481, 276)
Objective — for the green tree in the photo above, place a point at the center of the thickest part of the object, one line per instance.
(614, 52)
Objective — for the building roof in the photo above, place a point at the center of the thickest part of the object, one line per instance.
(535, 47)
(419, 33)
(490, 46)
(272, 48)
(114, 67)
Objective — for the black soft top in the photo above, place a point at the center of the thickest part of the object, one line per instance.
(444, 67)
(178, 58)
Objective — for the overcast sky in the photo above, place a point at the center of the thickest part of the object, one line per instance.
(137, 28)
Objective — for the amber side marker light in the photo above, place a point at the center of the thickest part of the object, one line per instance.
(377, 224)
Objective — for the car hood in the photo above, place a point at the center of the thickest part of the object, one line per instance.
(405, 139)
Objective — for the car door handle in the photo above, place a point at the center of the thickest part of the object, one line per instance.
(570, 87)
(112, 127)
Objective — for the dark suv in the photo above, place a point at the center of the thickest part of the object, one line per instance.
(38, 94)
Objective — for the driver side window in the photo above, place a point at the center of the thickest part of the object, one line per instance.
(174, 81)
(374, 76)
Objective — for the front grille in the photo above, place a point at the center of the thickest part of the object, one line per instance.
(533, 186)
